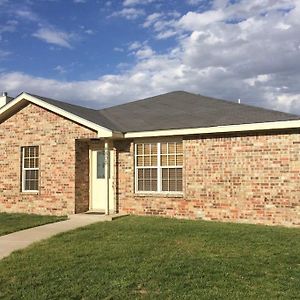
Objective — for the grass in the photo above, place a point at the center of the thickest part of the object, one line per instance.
(14, 222)
(156, 258)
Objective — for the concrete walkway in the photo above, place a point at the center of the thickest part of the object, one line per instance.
(21, 239)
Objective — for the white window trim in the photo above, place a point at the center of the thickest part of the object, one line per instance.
(28, 169)
(159, 171)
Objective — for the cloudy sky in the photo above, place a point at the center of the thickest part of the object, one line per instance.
(99, 53)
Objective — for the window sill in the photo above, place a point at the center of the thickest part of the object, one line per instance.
(161, 195)
(30, 192)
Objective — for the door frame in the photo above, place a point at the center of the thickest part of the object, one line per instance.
(110, 205)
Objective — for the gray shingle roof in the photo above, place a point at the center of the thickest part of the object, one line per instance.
(89, 114)
(180, 109)
(175, 110)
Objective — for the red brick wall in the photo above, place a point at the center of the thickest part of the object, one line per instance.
(56, 137)
(82, 172)
(249, 179)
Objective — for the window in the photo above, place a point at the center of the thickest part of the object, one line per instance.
(158, 167)
(30, 169)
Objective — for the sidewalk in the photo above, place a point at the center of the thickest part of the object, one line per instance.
(21, 239)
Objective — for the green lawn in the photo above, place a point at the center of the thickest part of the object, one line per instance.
(14, 222)
(156, 258)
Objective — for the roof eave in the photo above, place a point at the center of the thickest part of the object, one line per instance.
(289, 124)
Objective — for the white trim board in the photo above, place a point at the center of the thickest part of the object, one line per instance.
(216, 129)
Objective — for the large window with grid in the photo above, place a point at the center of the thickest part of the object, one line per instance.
(158, 167)
(30, 169)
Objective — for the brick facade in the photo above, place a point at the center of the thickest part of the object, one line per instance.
(249, 178)
(243, 178)
(63, 162)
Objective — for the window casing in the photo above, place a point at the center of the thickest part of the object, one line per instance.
(158, 167)
(30, 169)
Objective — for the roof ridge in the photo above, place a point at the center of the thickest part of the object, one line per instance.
(231, 102)
(144, 99)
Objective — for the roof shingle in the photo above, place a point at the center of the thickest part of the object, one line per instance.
(175, 110)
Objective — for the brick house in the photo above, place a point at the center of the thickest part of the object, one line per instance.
(178, 154)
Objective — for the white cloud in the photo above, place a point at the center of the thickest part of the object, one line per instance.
(134, 45)
(129, 13)
(137, 2)
(195, 21)
(89, 31)
(145, 52)
(248, 50)
(163, 24)
(4, 54)
(26, 14)
(79, 1)
(195, 2)
(60, 69)
(118, 49)
(10, 26)
(52, 36)
(151, 19)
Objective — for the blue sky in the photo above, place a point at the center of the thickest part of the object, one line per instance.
(100, 53)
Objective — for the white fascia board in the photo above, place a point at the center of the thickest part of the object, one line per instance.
(217, 129)
(101, 131)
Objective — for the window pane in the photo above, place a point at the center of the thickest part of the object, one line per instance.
(139, 149)
(165, 174)
(154, 185)
(140, 174)
(179, 173)
(147, 173)
(31, 180)
(172, 185)
(140, 161)
(165, 186)
(140, 185)
(31, 174)
(31, 163)
(26, 152)
(179, 148)
(163, 148)
(179, 160)
(154, 149)
(147, 161)
(100, 164)
(179, 185)
(171, 160)
(153, 173)
(154, 160)
(26, 163)
(34, 185)
(172, 174)
(146, 149)
(147, 185)
(164, 160)
(171, 148)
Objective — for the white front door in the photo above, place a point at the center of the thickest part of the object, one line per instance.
(98, 181)
(101, 180)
